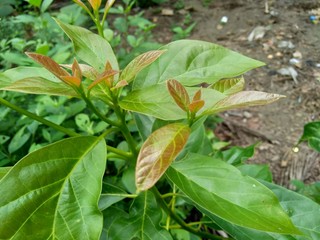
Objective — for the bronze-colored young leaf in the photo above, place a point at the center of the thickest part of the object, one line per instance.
(179, 94)
(49, 64)
(195, 106)
(140, 62)
(229, 86)
(71, 80)
(157, 153)
(95, 4)
(81, 4)
(108, 5)
(197, 96)
(86, 70)
(104, 77)
(76, 70)
(120, 84)
(243, 99)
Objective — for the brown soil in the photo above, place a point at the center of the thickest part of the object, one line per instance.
(277, 126)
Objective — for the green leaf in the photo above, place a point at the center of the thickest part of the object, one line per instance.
(198, 141)
(3, 139)
(38, 85)
(219, 189)
(229, 86)
(157, 102)
(110, 195)
(139, 63)
(90, 47)
(83, 122)
(243, 99)
(158, 152)
(45, 4)
(192, 62)
(35, 3)
(261, 171)
(56, 192)
(19, 139)
(311, 133)
(303, 212)
(238, 155)
(153, 101)
(144, 125)
(4, 171)
(34, 80)
(143, 221)
(19, 73)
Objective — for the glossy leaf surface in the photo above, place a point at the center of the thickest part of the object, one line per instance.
(56, 192)
(229, 86)
(198, 142)
(4, 171)
(158, 152)
(303, 212)
(153, 101)
(257, 171)
(157, 102)
(19, 73)
(192, 62)
(48, 64)
(38, 85)
(220, 189)
(90, 47)
(243, 99)
(139, 63)
(110, 195)
(142, 222)
(34, 80)
(179, 94)
(311, 133)
(237, 155)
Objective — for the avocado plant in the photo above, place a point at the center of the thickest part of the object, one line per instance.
(153, 164)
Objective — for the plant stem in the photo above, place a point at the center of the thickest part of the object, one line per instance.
(120, 195)
(125, 131)
(171, 195)
(119, 152)
(176, 218)
(95, 110)
(98, 24)
(39, 119)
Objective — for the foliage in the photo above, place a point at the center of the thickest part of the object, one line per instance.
(310, 190)
(184, 31)
(311, 134)
(150, 164)
(132, 33)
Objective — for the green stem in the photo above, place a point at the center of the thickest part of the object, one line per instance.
(176, 218)
(171, 195)
(95, 110)
(38, 118)
(125, 131)
(120, 195)
(119, 152)
(176, 226)
(98, 24)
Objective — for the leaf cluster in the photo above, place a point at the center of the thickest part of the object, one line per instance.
(150, 164)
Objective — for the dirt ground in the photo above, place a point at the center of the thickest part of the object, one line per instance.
(288, 33)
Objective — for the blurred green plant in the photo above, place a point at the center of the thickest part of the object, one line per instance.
(184, 31)
(309, 190)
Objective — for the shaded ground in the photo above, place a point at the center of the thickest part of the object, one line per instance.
(278, 126)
